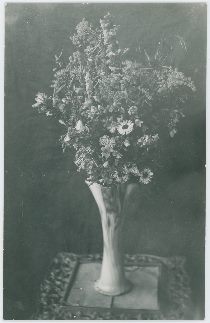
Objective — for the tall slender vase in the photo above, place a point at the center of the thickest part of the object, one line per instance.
(112, 279)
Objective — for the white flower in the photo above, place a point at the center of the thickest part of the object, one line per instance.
(106, 164)
(87, 103)
(147, 140)
(113, 68)
(145, 176)
(40, 99)
(116, 176)
(124, 178)
(93, 109)
(132, 110)
(116, 154)
(78, 90)
(86, 128)
(143, 140)
(106, 141)
(125, 127)
(112, 127)
(110, 54)
(126, 143)
(112, 142)
(61, 122)
(66, 138)
(106, 151)
(120, 119)
(88, 83)
(48, 114)
(172, 133)
(61, 107)
(155, 137)
(138, 122)
(79, 126)
(96, 98)
(131, 168)
(134, 170)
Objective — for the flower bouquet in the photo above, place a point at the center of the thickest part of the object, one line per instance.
(114, 111)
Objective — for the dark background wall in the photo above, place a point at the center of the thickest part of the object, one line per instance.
(48, 207)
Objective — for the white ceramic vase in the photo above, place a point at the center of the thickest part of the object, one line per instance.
(110, 200)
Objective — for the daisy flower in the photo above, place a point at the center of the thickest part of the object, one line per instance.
(125, 127)
(145, 176)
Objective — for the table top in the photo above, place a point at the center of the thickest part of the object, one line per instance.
(161, 289)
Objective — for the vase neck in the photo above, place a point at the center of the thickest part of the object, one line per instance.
(109, 199)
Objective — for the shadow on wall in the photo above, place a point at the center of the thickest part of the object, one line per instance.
(48, 207)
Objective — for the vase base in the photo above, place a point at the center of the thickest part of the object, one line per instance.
(127, 286)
